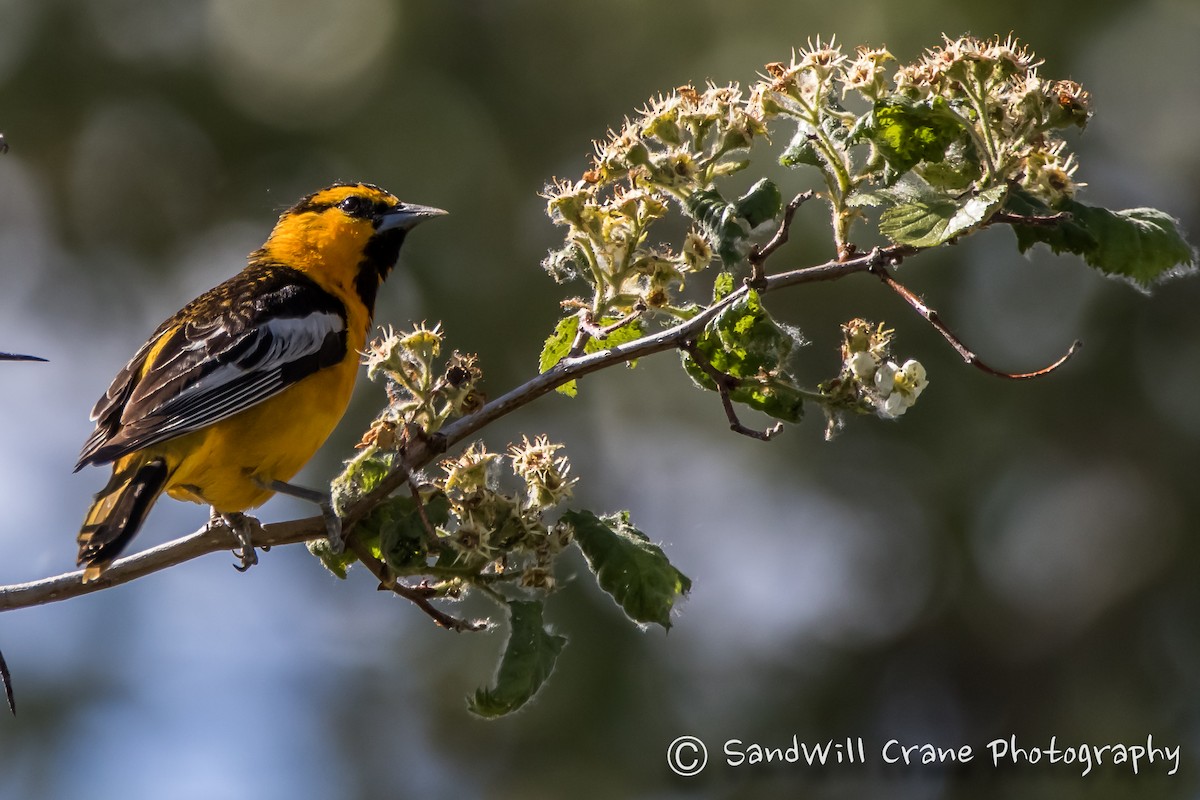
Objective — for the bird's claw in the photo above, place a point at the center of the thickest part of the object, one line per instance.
(242, 527)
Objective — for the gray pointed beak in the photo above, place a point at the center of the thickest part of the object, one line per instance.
(406, 216)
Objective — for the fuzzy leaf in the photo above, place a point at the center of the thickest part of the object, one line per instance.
(556, 348)
(801, 152)
(527, 662)
(761, 203)
(906, 132)
(743, 341)
(718, 220)
(1139, 245)
(925, 217)
(400, 531)
(337, 563)
(631, 568)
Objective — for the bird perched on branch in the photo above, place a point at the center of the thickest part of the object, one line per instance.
(232, 395)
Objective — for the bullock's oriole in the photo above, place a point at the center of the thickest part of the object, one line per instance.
(234, 393)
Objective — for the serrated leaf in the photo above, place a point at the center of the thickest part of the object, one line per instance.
(906, 132)
(722, 286)
(1139, 245)
(337, 563)
(761, 203)
(527, 662)
(745, 342)
(360, 475)
(557, 345)
(628, 566)
(399, 531)
(718, 220)
(801, 151)
(629, 332)
(932, 218)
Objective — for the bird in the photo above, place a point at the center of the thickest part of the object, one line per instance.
(18, 357)
(236, 391)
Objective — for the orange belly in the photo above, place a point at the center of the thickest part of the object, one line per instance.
(225, 464)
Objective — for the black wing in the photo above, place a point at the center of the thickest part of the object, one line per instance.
(231, 348)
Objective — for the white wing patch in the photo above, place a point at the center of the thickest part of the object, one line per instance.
(256, 373)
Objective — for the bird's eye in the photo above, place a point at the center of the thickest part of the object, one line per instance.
(354, 205)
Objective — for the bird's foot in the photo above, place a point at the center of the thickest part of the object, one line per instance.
(333, 523)
(243, 528)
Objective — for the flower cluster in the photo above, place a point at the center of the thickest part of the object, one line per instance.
(493, 528)
(419, 392)
(1013, 113)
(968, 115)
(671, 153)
(870, 382)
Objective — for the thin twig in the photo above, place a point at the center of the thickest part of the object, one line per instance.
(6, 679)
(586, 323)
(759, 255)
(969, 356)
(418, 596)
(725, 384)
(588, 329)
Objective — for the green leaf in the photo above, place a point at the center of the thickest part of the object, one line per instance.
(726, 225)
(906, 132)
(801, 151)
(360, 475)
(722, 286)
(761, 203)
(337, 563)
(397, 526)
(718, 220)
(527, 662)
(629, 332)
(743, 341)
(924, 217)
(631, 568)
(1139, 245)
(556, 348)
(558, 345)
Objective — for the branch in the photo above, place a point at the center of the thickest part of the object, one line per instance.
(759, 255)
(968, 355)
(725, 383)
(420, 451)
(419, 596)
(168, 554)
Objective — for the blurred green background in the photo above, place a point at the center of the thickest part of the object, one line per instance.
(1009, 559)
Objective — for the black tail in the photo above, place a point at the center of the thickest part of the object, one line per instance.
(117, 513)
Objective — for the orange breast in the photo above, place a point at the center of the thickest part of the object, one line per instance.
(219, 465)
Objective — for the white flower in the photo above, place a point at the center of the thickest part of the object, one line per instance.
(885, 378)
(912, 380)
(863, 365)
(894, 406)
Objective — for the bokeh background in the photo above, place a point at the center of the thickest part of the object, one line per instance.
(1010, 559)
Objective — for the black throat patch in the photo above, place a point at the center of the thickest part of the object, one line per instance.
(379, 257)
